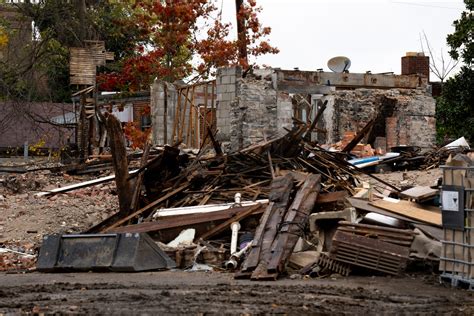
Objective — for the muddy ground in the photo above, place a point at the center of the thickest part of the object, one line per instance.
(169, 292)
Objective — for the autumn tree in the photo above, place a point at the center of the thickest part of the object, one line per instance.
(183, 38)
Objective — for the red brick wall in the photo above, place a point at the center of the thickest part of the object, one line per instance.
(412, 65)
(138, 107)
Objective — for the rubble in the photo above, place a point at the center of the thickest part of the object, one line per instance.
(280, 205)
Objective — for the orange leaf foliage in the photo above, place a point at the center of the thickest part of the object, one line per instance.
(180, 31)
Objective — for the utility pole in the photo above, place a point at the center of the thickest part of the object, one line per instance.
(241, 32)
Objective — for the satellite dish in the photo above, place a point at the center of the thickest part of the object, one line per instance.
(339, 64)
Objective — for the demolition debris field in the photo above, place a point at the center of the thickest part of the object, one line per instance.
(183, 292)
(332, 237)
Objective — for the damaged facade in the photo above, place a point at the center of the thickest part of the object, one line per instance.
(263, 103)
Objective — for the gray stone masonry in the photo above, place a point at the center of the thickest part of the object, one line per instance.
(157, 103)
(259, 111)
(413, 110)
(226, 88)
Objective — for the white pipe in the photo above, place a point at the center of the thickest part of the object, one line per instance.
(232, 263)
(235, 226)
(237, 199)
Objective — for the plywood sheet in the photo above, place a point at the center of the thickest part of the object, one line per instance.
(411, 210)
(420, 192)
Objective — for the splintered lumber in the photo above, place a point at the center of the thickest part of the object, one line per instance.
(411, 210)
(120, 162)
(186, 221)
(289, 230)
(146, 208)
(307, 136)
(364, 205)
(331, 197)
(359, 136)
(225, 225)
(139, 180)
(279, 198)
(280, 227)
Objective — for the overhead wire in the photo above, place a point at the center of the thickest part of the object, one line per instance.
(419, 4)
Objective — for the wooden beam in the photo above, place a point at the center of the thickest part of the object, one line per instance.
(239, 216)
(120, 162)
(359, 136)
(149, 206)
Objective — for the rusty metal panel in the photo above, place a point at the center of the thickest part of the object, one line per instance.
(369, 253)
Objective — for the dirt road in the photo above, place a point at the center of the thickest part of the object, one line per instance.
(169, 292)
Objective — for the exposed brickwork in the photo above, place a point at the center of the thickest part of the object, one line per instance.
(412, 65)
(138, 107)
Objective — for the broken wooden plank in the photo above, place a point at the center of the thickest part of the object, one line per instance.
(265, 233)
(420, 193)
(138, 182)
(80, 185)
(411, 210)
(239, 216)
(364, 205)
(307, 136)
(145, 208)
(358, 136)
(120, 161)
(182, 221)
(331, 197)
(292, 227)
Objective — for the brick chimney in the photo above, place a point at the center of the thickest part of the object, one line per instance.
(416, 63)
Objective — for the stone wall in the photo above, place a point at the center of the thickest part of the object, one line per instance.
(158, 109)
(403, 116)
(259, 111)
(226, 86)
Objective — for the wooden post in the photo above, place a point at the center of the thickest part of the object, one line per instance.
(165, 114)
(119, 160)
(183, 119)
(213, 109)
(176, 117)
(204, 128)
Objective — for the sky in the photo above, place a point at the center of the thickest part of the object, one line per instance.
(374, 34)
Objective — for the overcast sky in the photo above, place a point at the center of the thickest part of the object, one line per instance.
(374, 34)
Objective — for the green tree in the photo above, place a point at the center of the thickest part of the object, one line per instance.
(462, 40)
(455, 107)
(27, 69)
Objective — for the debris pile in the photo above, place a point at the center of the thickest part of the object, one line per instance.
(281, 206)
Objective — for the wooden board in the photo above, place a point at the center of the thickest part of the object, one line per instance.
(364, 205)
(411, 210)
(419, 193)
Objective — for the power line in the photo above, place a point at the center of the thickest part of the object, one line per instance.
(426, 5)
